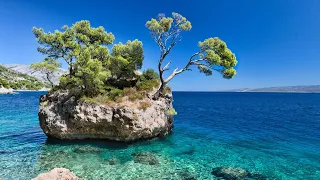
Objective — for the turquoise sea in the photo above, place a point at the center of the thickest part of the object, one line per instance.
(273, 134)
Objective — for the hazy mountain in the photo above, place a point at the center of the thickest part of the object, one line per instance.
(16, 80)
(301, 89)
(25, 69)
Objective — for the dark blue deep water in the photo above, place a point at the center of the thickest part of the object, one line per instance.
(274, 134)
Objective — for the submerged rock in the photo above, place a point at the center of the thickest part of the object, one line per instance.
(57, 174)
(145, 158)
(187, 175)
(230, 173)
(62, 116)
(112, 161)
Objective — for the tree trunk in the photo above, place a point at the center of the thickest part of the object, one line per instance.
(48, 78)
(159, 92)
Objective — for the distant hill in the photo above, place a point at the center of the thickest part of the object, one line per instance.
(298, 89)
(25, 69)
(16, 80)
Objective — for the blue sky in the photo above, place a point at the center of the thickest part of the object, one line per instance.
(277, 42)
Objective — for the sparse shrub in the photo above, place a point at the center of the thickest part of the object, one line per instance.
(129, 91)
(171, 112)
(132, 94)
(100, 99)
(144, 105)
(148, 81)
(147, 85)
(45, 104)
(167, 90)
(115, 93)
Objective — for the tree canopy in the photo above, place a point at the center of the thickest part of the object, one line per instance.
(85, 50)
(97, 66)
(213, 54)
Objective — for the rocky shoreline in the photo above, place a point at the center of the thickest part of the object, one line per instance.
(5, 90)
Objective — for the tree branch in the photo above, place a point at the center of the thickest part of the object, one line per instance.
(166, 67)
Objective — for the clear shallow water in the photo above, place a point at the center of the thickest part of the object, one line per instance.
(277, 135)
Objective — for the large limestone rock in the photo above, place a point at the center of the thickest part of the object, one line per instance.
(57, 174)
(63, 116)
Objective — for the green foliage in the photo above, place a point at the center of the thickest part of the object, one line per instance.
(144, 105)
(85, 50)
(147, 85)
(213, 55)
(149, 74)
(115, 93)
(4, 83)
(89, 74)
(148, 81)
(45, 104)
(69, 43)
(216, 56)
(101, 75)
(126, 59)
(3, 69)
(171, 112)
(165, 24)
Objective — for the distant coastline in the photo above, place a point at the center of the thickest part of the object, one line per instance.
(13, 91)
(281, 89)
(32, 90)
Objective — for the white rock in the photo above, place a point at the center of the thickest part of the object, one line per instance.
(5, 90)
(57, 174)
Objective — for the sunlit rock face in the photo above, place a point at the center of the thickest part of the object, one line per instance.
(62, 116)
